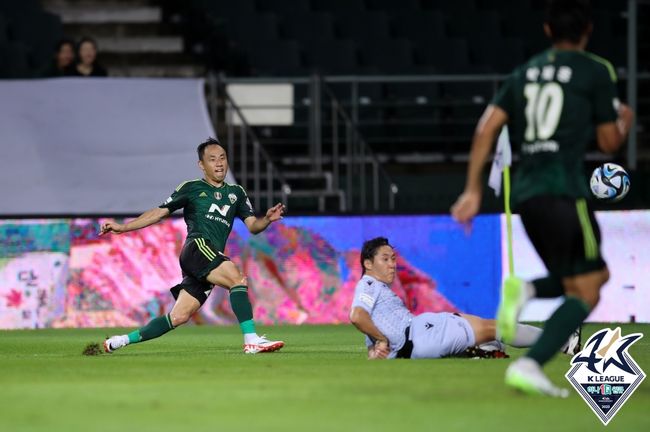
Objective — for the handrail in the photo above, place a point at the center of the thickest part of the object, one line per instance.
(337, 110)
(272, 172)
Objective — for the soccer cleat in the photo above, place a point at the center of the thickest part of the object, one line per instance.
(526, 376)
(115, 342)
(513, 298)
(573, 345)
(262, 345)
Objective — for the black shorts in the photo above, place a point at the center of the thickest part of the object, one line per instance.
(565, 234)
(198, 259)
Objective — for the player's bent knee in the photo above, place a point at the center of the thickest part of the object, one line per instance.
(179, 318)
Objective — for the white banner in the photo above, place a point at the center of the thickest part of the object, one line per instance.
(97, 145)
(626, 296)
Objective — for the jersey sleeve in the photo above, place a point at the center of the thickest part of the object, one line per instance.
(244, 208)
(605, 99)
(505, 97)
(178, 198)
(365, 295)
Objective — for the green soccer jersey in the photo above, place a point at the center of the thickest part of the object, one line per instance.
(554, 102)
(210, 211)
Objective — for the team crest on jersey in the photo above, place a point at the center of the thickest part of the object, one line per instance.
(604, 373)
(232, 197)
(217, 195)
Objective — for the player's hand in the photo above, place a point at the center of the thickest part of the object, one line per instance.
(275, 213)
(625, 118)
(380, 351)
(111, 227)
(466, 207)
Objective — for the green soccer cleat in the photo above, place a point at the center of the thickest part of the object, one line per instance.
(513, 297)
(526, 376)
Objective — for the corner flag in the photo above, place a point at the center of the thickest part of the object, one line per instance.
(501, 163)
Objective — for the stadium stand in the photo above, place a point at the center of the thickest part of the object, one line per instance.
(418, 121)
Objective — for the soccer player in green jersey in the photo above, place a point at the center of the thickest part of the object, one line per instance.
(553, 105)
(210, 206)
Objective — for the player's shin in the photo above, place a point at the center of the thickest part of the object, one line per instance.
(243, 310)
(155, 328)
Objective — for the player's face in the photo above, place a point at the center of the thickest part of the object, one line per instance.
(214, 163)
(383, 265)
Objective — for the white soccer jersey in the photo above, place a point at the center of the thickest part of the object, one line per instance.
(387, 310)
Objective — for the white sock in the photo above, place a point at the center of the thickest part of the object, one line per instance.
(250, 338)
(530, 291)
(526, 335)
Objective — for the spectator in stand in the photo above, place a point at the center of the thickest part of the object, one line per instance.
(87, 65)
(63, 62)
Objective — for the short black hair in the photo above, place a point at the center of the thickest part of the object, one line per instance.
(64, 42)
(200, 150)
(88, 39)
(568, 20)
(370, 248)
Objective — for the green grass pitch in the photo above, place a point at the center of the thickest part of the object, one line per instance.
(197, 379)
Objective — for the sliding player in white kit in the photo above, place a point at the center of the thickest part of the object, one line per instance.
(392, 331)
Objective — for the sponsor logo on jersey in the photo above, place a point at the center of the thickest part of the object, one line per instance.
(203, 194)
(428, 326)
(232, 197)
(223, 210)
(604, 373)
(217, 195)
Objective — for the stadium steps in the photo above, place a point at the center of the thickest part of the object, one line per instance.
(133, 37)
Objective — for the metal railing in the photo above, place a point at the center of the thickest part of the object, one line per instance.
(358, 155)
(237, 137)
(348, 150)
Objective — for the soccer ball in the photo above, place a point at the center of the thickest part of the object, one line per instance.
(610, 182)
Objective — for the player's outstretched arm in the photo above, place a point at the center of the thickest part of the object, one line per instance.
(489, 126)
(256, 225)
(611, 135)
(363, 322)
(147, 218)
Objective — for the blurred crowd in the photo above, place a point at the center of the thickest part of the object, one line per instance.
(75, 59)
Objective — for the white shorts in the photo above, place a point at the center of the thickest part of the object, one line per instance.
(436, 335)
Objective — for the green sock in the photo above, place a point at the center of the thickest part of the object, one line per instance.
(242, 308)
(559, 326)
(548, 287)
(155, 328)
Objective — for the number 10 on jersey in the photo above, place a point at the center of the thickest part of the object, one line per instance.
(543, 109)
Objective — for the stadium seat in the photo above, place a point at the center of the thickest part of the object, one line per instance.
(482, 26)
(3, 29)
(11, 9)
(420, 26)
(277, 58)
(40, 32)
(284, 6)
(501, 54)
(339, 7)
(249, 31)
(376, 26)
(13, 60)
(308, 28)
(227, 8)
(334, 57)
(400, 60)
(393, 5)
(447, 55)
